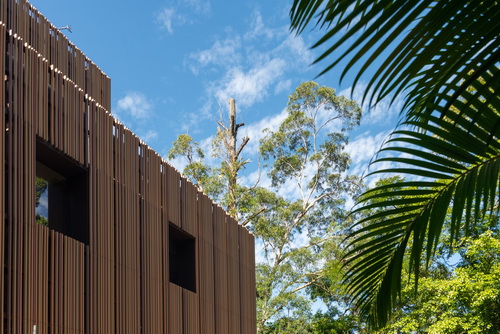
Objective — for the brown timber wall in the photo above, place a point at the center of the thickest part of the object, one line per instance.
(116, 278)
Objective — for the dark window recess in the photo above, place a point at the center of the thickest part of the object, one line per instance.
(182, 258)
(61, 193)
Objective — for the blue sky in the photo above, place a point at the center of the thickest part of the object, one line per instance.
(174, 64)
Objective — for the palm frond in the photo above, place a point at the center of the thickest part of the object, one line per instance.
(423, 49)
(458, 163)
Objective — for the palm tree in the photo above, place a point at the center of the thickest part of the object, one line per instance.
(443, 58)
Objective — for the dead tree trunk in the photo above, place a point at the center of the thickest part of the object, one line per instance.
(234, 162)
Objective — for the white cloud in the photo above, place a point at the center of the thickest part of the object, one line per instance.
(222, 53)
(372, 179)
(149, 136)
(248, 67)
(185, 12)
(362, 149)
(135, 104)
(283, 86)
(254, 130)
(200, 6)
(165, 18)
(364, 146)
(255, 177)
(259, 30)
(251, 86)
(178, 163)
(192, 119)
(384, 113)
(295, 50)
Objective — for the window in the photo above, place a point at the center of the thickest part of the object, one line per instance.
(61, 193)
(182, 258)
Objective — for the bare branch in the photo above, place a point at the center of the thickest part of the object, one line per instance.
(258, 176)
(326, 123)
(304, 286)
(243, 143)
(253, 216)
(222, 126)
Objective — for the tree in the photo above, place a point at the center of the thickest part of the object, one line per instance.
(466, 301)
(301, 214)
(308, 165)
(335, 322)
(226, 148)
(213, 180)
(201, 174)
(443, 57)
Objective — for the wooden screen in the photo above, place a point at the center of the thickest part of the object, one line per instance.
(114, 279)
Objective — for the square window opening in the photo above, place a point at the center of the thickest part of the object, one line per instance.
(182, 258)
(61, 193)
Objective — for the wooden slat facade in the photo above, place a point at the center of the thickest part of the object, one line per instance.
(115, 278)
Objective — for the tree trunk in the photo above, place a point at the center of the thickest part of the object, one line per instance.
(234, 162)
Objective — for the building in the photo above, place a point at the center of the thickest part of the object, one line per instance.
(130, 246)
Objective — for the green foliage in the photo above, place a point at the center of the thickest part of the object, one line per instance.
(41, 220)
(40, 188)
(290, 324)
(204, 176)
(466, 302)
(297, 142)
(331, 322)
(185, 146)
(442, 57)
(335, 322)
(308, 164)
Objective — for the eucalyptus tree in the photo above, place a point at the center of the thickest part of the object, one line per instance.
(308, 170)
(443, 58)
